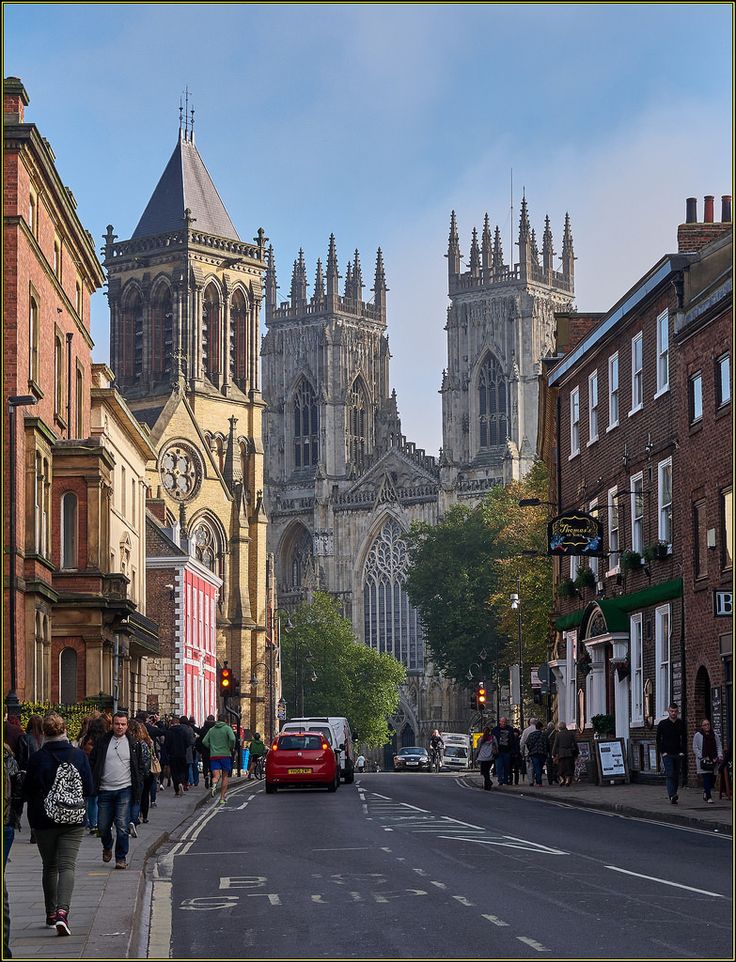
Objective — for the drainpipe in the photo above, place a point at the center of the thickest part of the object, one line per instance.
(69, 385)
(115, 670)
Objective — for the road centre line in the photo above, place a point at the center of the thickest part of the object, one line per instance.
(531, 942)
(463, 901)
(358, 848)
(495, 920)
(652, 878)
(440, 885)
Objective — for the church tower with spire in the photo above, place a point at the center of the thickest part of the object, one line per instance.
(184, 296)
(500, 323)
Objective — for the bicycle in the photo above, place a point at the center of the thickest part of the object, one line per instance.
(259, 766)
(435, 760)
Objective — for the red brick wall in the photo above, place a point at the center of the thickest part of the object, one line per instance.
(694, 237)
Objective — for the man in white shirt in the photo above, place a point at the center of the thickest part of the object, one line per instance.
(119, 779)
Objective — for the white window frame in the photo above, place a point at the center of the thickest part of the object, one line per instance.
(637, 541)
(594, 562)
(663, 353)
(574, 566)
(663, 506)
(613, 555)
(636, 655)
(614, 393)
(571, 708)
(694, 415)
(637, 375)
(592, 408)
(723, 398)
(662, 654)
(574, 422)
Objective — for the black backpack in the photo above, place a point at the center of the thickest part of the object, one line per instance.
(64, 803)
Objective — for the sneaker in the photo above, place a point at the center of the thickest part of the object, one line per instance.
(154, 805)
(673, 800)
(107, 855)
(145, 821)
(94, 831)
(221, 801)
(132, 831)
(710, 801)
(213, 789)
(62, 923)
(121, 863)
(705, 796)
(51, 920)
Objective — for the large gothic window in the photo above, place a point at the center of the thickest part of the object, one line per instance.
(492, 404)
(238, 337)
(357, 426)
(162, 331)
(132, 330)
(211, 332)
(298, 560)
(392, 625)
(306, 426)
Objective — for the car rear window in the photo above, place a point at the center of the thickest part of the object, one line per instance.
(452, 752)
(323, 730)
(301, 743)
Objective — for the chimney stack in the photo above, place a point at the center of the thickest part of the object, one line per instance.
(691, 210)
(726, 209)
(708, 209)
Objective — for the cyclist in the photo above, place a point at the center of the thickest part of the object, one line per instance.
(257, 754)
(436, 749)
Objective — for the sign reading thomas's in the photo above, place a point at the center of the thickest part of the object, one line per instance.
(575, 533)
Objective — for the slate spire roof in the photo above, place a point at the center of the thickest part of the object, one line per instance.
(185, 183)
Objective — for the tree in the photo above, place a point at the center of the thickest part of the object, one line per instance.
(325, 671)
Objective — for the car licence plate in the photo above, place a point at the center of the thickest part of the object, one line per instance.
(412, 763)
(300, 771)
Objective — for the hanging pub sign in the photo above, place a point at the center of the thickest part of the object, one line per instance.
(575, 533)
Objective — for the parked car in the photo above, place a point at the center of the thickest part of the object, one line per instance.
(301, 758)
(413, 758)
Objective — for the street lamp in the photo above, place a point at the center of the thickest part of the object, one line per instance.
(516, 606)
(16, 401)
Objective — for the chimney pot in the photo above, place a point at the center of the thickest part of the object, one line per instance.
(708, 209)
(691, 210)
(726, 209)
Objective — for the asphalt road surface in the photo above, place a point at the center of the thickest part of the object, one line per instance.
(415, 865)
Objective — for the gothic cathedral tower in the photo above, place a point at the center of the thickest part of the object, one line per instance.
(500, 324)
(184, 295)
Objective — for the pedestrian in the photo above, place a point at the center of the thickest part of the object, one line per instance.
(177, 742)
(564, 752)
(504, 735)
(204, 751)
(10, 768)
(194, 777)
(538, 749)
(550, 763)
(118, 781)
(143, 746)
(487, 752)
(671, 745)
(257, 749)
(517, 760)
(220, 740)
(29, 743)
(96, 729)
(531, 727)
(360, 763)
(57, 781)
(13, 806)
(12, 733)
(708, 756)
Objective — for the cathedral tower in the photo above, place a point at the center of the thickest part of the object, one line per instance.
(500, 324)
(184, 295)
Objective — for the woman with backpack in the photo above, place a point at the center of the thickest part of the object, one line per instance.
(58, 779)
(487, 752)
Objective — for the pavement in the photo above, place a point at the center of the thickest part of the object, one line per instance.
(106, 903)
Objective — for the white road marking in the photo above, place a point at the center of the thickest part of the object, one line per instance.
(387, 829)
(495, 920)
(440, 885)
(462, 900)
(319, 899)
(512, 843)
(159, 938)
(384, 849)
(662, 881)
(457, 821)
(356, 896)
(419, 871)
(407, 805)
(359, 848)
(376, 795)
(531, 942)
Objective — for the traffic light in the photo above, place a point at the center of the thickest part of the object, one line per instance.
(226, 682)
(473, 701)
(481, 695)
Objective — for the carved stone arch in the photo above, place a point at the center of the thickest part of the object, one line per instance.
(405, 717)
(489, 400)
(209, 541)
(302, 424)
(295, 560)
(359, 427)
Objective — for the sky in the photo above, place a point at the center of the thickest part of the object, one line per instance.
(374, 121)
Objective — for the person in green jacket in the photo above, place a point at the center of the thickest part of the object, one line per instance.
(220, 740)
(257, 750)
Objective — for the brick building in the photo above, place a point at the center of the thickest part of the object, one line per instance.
(73, 607)
(620, 646)
(703, 500)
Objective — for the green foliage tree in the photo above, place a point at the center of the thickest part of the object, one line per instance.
(350, 678)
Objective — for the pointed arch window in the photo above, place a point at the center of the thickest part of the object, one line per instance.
(492, 404)
(391, 624)
(306, 426)
(239, 337)
(211, 332)
(299, 560)
(132, 331)
(357, 427)
(162, 331)
(207, 546)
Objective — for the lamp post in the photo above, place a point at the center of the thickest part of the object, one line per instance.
(16, 401)
(516, 606)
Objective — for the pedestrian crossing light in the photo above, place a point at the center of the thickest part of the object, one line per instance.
(226, 681)
(481, 696)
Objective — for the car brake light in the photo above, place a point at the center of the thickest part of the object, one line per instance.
(325, 746)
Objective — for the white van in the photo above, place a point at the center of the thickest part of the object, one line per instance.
(456, 755)
(337, 731)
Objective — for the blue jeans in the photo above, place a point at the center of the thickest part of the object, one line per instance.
(114, 806)
(503, 767)
(672, 772)
(8, 836)
(709, 780)
(92, 811)
(537, 766)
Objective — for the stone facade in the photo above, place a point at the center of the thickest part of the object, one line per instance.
(342, 481)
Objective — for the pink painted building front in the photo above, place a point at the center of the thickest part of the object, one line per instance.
(198, 644)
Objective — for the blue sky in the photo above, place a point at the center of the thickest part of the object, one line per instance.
(374, 121)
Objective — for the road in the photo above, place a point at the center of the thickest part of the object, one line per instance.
(417, 865)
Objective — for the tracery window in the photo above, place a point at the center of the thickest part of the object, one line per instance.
(392, 625)
(207, 548)
(306, 426)
(357, 427)
(300, 560)
(492, 404)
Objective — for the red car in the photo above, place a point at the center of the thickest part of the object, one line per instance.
(301, 758)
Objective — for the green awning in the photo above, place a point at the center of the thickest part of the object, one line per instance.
(616, 610)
